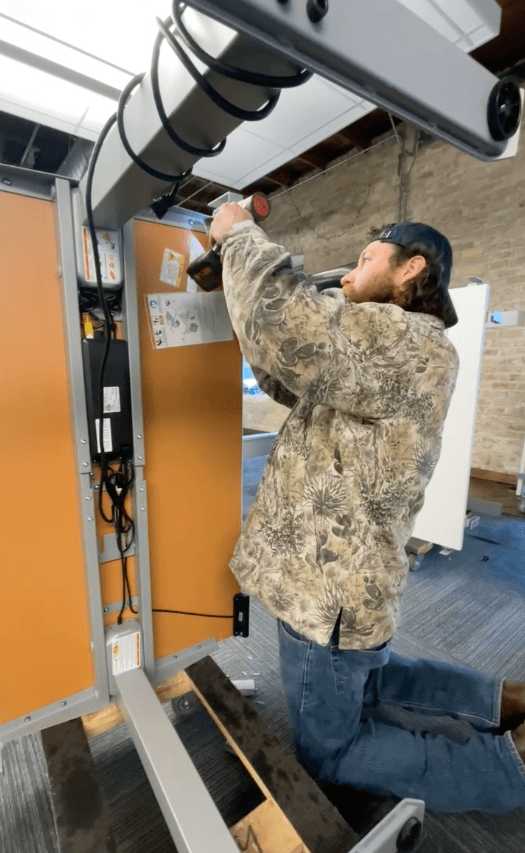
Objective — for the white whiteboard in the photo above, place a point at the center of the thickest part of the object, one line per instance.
(442, 519)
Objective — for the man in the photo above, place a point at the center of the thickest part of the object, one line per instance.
(368, 372)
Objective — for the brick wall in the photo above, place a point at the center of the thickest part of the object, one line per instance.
(479, 206)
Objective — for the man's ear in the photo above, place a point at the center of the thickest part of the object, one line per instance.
(413, 267)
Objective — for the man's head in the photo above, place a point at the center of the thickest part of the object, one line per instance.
(407, 264)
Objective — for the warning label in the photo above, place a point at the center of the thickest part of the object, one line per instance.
(109, 256)
(126, 653)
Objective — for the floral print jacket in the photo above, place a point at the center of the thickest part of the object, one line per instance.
(369, 387)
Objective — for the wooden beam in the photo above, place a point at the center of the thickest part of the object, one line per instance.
(493, 476)
(81, 814)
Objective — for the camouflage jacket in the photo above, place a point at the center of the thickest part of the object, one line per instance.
(369, 387)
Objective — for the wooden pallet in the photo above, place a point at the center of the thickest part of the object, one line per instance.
(295, 815)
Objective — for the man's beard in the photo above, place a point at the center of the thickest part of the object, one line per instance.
(378, 290)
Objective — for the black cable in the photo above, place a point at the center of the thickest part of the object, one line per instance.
(186, 613)
(231, 71)
(122, 132)
(213, 95)
(117, 483)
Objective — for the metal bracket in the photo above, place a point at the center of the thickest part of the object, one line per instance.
(110, 550)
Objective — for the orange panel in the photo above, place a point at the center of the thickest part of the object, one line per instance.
(45, 641)
(192, 398)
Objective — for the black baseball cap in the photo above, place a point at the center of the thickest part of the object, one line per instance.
(438, 248)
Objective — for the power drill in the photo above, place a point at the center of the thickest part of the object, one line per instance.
(206, 270)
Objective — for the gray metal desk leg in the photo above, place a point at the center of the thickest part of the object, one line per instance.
(192, 817)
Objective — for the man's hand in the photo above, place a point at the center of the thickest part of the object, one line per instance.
(229, 214)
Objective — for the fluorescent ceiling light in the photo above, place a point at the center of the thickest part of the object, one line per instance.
(117, 31)
(49, 100)
(23, 40)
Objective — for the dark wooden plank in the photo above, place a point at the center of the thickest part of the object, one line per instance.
(494, 476)
(315, 819)
(81, 815)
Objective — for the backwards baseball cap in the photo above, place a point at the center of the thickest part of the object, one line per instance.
(437, 247)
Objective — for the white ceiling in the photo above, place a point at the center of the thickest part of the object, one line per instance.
(114, 41)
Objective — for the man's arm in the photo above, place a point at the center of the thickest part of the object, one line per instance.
(274, 388)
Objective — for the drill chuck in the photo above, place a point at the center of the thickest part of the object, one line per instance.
(206, 270)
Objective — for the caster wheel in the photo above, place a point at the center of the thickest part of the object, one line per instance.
(504, 109)
(183, 706)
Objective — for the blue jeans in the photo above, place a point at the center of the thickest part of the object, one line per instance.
(395, 727)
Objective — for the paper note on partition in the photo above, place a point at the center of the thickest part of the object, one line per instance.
(186, 319)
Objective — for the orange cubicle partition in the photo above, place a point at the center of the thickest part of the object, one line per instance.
(45, 651)
(192, 408)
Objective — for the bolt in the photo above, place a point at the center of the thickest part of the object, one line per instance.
(85, 464)
(139, 436)
(63, 704)
(142, 509)
(142, 488)
(97, 487)
(199, 647)
(7, 182)
(175, 657)
(83, 441)
(88, 497)
(27, 719)
(140, 457)
(106, 609)
(316, 10)
(90, 519)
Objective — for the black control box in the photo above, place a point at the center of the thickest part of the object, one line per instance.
(117, 432)
(241, 615)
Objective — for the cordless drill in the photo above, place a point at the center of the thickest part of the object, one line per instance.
(206, 270)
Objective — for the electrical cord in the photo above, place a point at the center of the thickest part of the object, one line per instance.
(186, 613)
(118, 483)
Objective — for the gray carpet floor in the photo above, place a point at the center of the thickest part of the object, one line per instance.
(466, 607)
